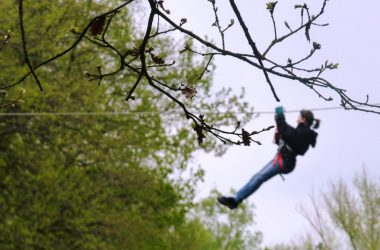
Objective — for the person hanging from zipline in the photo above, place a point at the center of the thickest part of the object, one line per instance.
(291, 142)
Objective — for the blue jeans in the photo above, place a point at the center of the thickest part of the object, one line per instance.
(267, 172)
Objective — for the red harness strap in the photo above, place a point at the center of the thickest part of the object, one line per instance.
(278, 160)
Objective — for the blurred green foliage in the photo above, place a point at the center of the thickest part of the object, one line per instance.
(97, 181)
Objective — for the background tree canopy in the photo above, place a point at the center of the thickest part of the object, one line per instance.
(342, 217)
(91, 180)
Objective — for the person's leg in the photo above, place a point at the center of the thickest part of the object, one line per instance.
(267, 172)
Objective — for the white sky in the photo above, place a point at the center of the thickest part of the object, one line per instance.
(347, 139)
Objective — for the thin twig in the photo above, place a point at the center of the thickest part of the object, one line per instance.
(292, 32)
(274, 26)
(206, 68)
(142, 55)
(23, 38)
(7, 37)
(217, 24)
(253, 46)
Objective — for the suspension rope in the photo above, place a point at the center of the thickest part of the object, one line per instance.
(136, 113)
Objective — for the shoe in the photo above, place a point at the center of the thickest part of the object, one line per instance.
(229, 202)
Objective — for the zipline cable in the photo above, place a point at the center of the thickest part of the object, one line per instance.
(115, 113)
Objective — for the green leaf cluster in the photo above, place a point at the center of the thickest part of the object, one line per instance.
(95, 181)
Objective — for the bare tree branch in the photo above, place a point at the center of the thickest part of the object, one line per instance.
(26, 56)
(253, 46)
(146, 65)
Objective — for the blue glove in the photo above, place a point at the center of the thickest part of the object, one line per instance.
(279, 110)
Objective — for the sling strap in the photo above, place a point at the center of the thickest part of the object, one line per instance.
(278, 160)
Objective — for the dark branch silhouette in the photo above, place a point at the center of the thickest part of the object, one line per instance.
(142, 60)
(26, 56)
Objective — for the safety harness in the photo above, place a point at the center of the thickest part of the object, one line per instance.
(278, 159)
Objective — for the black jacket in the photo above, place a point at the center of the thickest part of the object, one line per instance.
(298, 139)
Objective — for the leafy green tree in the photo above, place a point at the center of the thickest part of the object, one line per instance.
(344, 217)
(231, 229)
(88, 181)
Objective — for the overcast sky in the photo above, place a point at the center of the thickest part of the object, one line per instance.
(347, 141)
